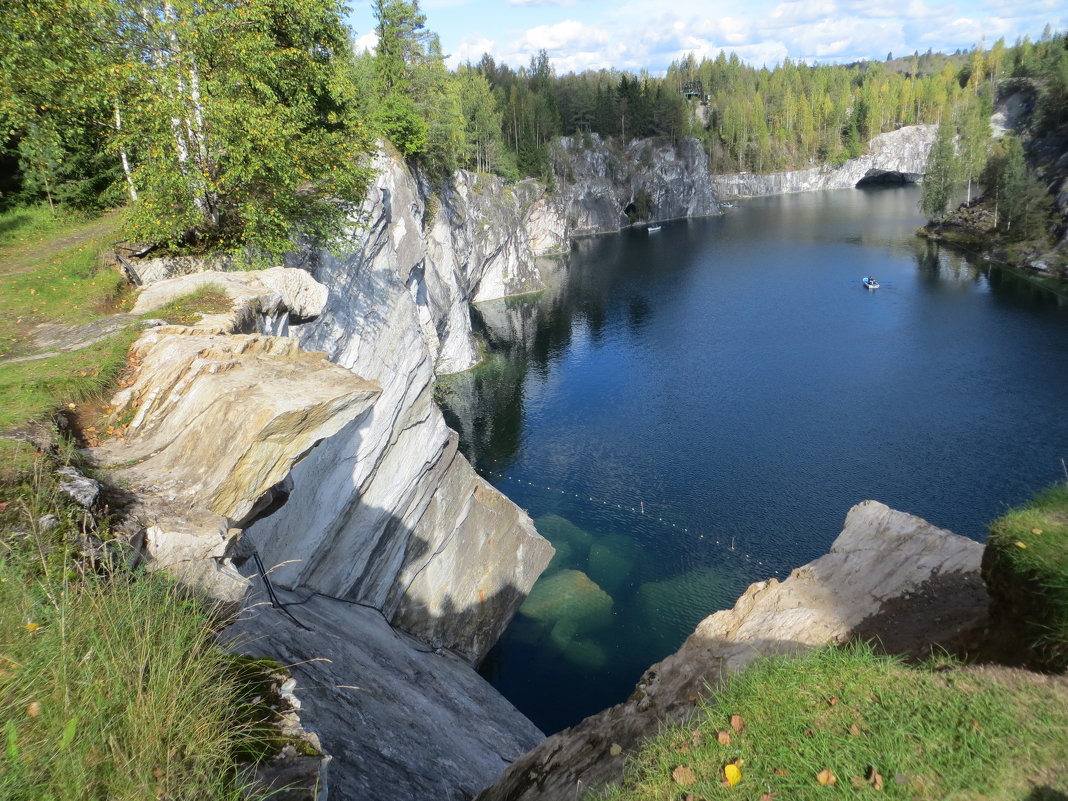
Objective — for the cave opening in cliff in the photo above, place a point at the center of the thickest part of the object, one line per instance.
(886, 178)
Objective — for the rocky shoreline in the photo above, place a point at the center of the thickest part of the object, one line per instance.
(399, 565)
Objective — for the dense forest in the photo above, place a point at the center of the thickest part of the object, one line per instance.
(235, 124)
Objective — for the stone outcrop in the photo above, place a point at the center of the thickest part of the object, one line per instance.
(884, 566)
(217, 419)
(898, 157)
(387, 512)
(599, 183)
(400, 720)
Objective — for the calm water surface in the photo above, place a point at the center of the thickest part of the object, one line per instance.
(695, 409)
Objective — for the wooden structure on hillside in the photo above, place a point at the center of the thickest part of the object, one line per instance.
(694, 88)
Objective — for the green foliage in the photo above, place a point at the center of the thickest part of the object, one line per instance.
(235, 120)
(940, 173)
(1023, 207)
(401, 121)
(880, 728)
(1025, 566)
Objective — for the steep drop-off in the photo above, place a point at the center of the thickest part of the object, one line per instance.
(897, 157)
(387, 513)
(601, 186)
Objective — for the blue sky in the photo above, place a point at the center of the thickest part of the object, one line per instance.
(631, 35)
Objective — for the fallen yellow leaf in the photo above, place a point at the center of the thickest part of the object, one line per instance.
(616, 749)
(732, 774)
(32, 627)
(1021, 544)
(1036, 531)
(826, 777)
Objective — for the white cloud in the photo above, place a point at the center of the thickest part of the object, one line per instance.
(471, 50)
(369, 41)
(787, 15)
(633, 35)
(563, 36)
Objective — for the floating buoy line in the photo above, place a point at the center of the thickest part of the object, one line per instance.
(635, 510)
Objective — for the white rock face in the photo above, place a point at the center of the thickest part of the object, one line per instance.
(597, 182)
(881, 558)
(903, 151)
(387, 512)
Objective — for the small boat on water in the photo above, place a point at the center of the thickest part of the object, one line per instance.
(870, 282)
(653, 228)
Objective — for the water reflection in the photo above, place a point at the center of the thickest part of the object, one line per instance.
(687, 413)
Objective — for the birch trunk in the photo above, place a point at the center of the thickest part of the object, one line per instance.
(130, 188)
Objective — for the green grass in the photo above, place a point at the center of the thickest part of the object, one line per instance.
(111, 685)
(186, 310)
(1025, 566)
(35, 390)
(56, 276)
(30, 224)
(927, 733)
(51, 272)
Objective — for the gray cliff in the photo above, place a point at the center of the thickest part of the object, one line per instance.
(898, 156)
(598, 182)
(387, 512)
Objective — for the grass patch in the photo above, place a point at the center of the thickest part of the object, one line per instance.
(1025, 566)
(33, 224)
(37, 389)
(111, 685)
(186, 310)
(878, 727)
(60, 278)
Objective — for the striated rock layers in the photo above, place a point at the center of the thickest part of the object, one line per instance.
(600, 186)
(880, 561)
(387, 512)
(896, 157)
(217, 418)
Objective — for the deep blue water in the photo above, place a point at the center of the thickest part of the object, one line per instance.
(698, 408)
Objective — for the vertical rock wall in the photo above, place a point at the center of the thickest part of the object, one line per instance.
(599, 183)
(387, 512)
(900, 153)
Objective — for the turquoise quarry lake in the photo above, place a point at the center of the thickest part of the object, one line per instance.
(697, 408)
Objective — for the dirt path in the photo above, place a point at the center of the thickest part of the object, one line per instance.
(24, 256)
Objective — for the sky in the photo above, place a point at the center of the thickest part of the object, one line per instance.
(631, 35)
